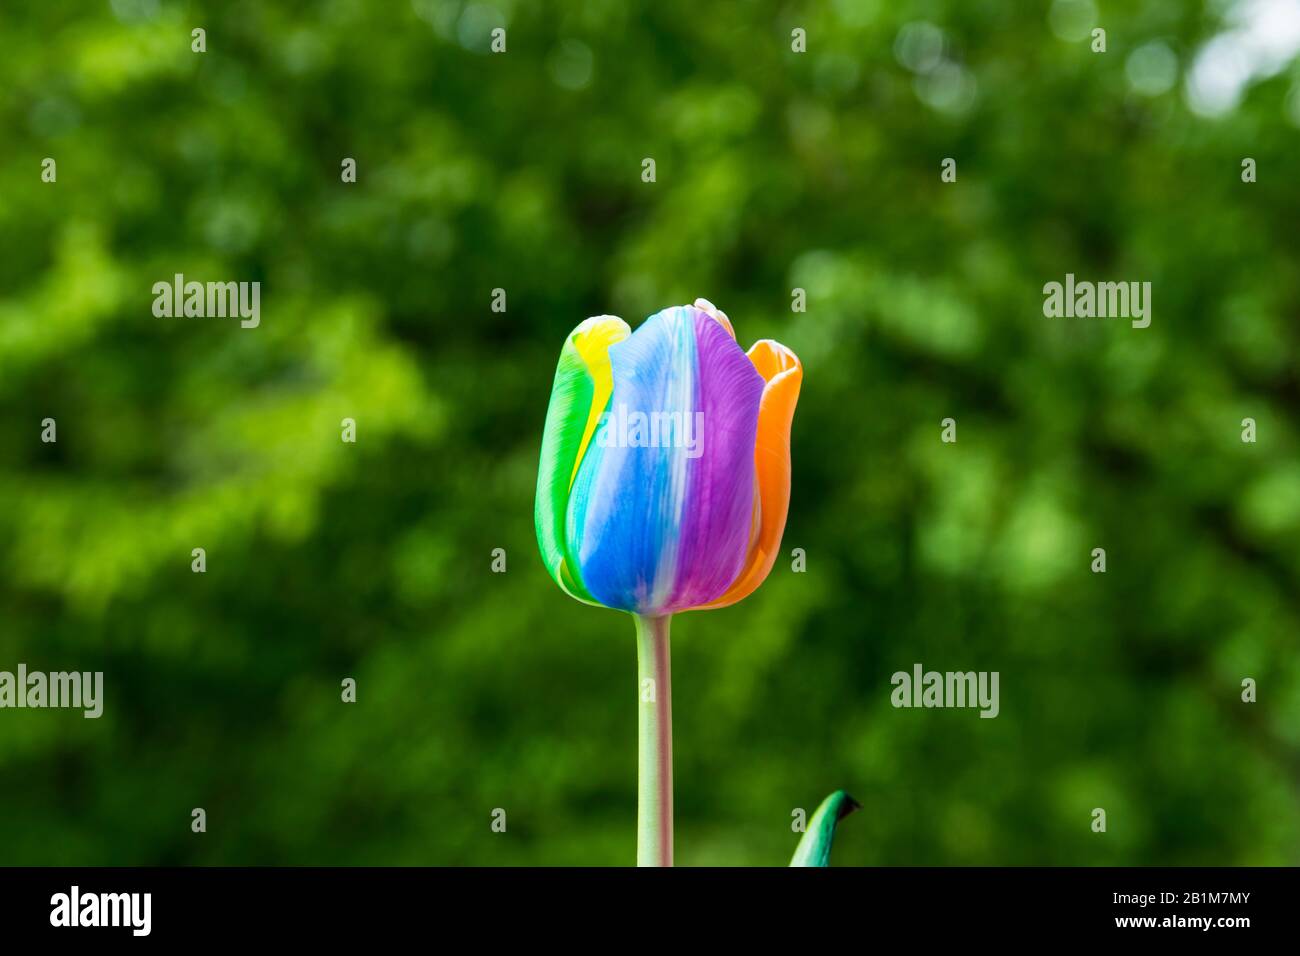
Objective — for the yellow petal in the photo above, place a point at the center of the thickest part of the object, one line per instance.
(578, 398)
(592, 340)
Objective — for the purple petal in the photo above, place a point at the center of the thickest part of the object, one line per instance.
(713, 540)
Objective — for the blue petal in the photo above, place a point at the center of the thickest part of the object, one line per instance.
(627, 505)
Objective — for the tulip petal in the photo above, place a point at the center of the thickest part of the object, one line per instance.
(711, 310)
(583, 383)
(781, 369)
(714, 539)
(657, 526)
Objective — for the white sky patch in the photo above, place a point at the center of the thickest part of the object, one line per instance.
(1261, 38)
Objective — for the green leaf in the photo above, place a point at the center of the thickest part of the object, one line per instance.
(814, 847)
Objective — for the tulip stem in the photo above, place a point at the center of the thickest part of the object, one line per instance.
(654, 801)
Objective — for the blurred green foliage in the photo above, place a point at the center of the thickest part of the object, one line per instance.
(521, 171)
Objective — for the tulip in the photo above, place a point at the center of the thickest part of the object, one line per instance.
(663, 486)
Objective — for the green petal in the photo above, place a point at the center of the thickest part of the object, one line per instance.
(579, 396)
(814, 847)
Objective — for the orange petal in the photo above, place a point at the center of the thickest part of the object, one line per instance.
(783, 373)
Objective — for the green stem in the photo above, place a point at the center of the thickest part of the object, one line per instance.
(654, 793)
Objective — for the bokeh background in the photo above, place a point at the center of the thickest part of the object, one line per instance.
(522, 171)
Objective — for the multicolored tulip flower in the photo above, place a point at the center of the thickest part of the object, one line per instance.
(665, 468)
(663, 486)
